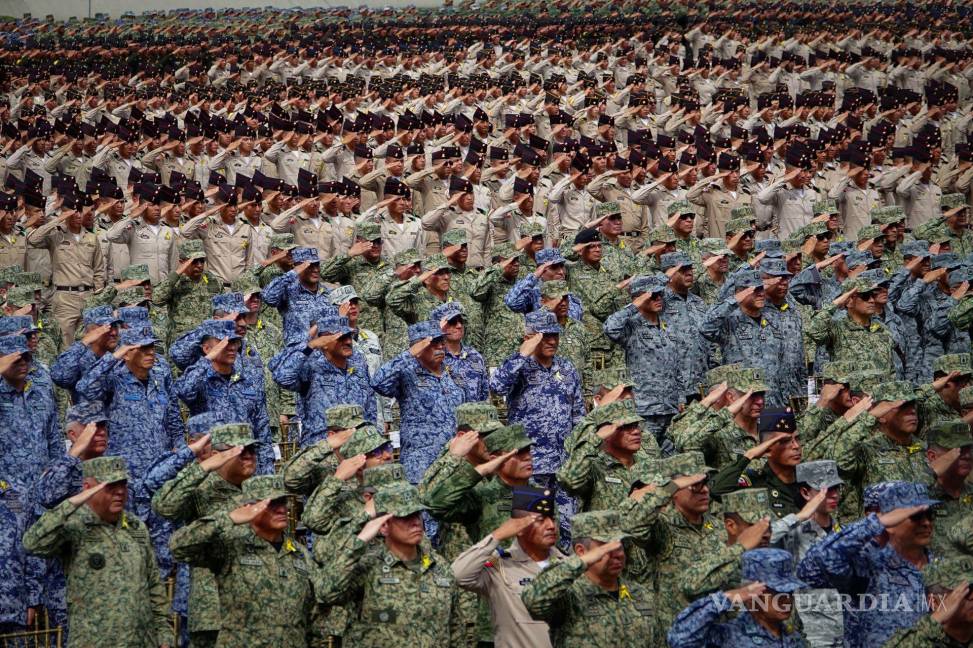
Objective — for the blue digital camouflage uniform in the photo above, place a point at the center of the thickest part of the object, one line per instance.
(792, 373)
(186, 350)
(929, 307)
(468, 370)
(525, 297)
(292, 299)
(71, 366)
(917, 370)
(31, 432)
(851, 554)
(427, 405)
(547, 401)
(21, 574)
(684, 316)
(240, 395)
(697, 627)
(144, 419)
(320, 384)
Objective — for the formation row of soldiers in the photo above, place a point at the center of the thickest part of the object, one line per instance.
(580, 326)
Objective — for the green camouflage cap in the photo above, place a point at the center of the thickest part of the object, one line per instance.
(7, 274)
(407, 257)
(378, 476)
(531, 229)
(737, 225)
(621, 412)
(246, 284)
(686, 463)
(363, 440)
(20, 296)
(887, 215)
(455, 236)
(505, 251)
(28, 280)
(610, 378)
(231, 434)
(826, 206)
(401, 499)
(603, 526)
(751, 504)
(344, 416)
(283, 241)
(809, 230)
(663, 234)
(950, 434)
(368, 231)
(935, 234)
(896, 390)
(959, 362)
(952, 201)
(475, 415)
(966, 397)
(744, 211)
(261, 487)
(747, 379)
(650, 471)
(859, 285)
(869, 232)
(342, 295)
(105, 470)
(679, 207)
(948, 573)
(435, 263)
(863, 382)
(131, 296)
(839, 372)
(716, 375)
(554, 289)
(507, 438)
(192, 249)
(607, 209)
(138, 272)
(713, 247)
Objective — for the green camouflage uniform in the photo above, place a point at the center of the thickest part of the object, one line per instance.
(358, 272)
(189, 302)
(503, 328)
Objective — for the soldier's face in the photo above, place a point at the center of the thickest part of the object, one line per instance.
(455, 329)
(547, 349)
(612, 226)
(196, 269)
(240, 467)
(591, 252)
(518, 468)
(393, 166)
(902, 419)
(144, 357)
(404, 530)
(786, 452)
(542, 534)
(109, 503)
(915, 532)
(610, 565)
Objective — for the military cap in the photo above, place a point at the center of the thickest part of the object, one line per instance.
(476, 415)
(20, 296)
(826, 206)
(218, 329)
(344, 416)
(839, 371)
(958, 276)
(554, 289)
(966, 397)
(887, 215)
(455, 236)
(246, 284)
(744, 212)
(541, 321)
(686, 463)
(902, 494)
(436, 263)
(533, 500)
(737, 225)
(648, 283)
(368, 231)
(859, 285)
(105, 470)
(856, 258)
(342, 295)
(505, 251)
(227, 435)
(422, 330)
(200, 424)
(772, 567)
(603, 526)
(610, 378)
(751, 504)
(864, 382)
(448, 311)
(952, 201)
(586, 236)
(364, 439)
(869, 233)
(87, 412)
(231, 302)
(13, 344)
(138, 272)
(663, 234)
(136, 337)
(401, 499)
(747, 379)
(776, 420)
(950, 434)
(99, 316)
(507, 438)
(406, 257)
(819, 475)
(675, 260)
(531, 229)
(713, 247)
(375, 477)
(17, 325)
(809, 230)
(261, 487)
(282, 241)
(192, 249)
(620, 412)
(948, 573)
(841, 248)
(959, 362)
(872, 495)
(680, 207)
(604, 209)
(130, 297)
(774, 268)
(934, 234)
(7, 274)
(948, 260)
(28, 279)
(716, 375)
(333, 325)
(747, 278)
(893, 392)
(305, 255)
(770, 247)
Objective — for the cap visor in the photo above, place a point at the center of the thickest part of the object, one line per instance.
(786, 586)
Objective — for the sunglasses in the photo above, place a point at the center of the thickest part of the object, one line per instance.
(748, 234)
(687, 216)
(827, 236)
(379, 451)
(700, 486)
(922, 516)
(867, 296)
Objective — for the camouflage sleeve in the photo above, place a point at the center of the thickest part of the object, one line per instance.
(847, 448)
(548, 596)
(697, 627)
(401, 298)
(840, 556)
(961, 315)
(452, 499)
(713, 572)
(375, 290)
(576, 475)
(728, 477)
(169, 289)
(440, 469)
(104, 297)
(339, 581)
(819, 329)
(304, 470)
(176, 500)
(927, 632)
(811, 424)
(641, 517)
(157, 594)
(321, 509)
(203, 542)
(335, 270)
(685, 420)
(822, 447)
(702, 436)
(52, 534)
(960, 535)
(485, 282)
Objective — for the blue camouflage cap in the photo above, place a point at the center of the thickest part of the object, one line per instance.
(902, 494)
(13, 344)
(136, 337)
(447, 311)
(916, 249)
(334, 326)
(17, 325)
(549, 255)
(774, 267)
(100, 316)
(772, 567)
(218, 329)
(959, 275)
(948, 260)
(873, 493)
(857, 258)
(877, 276)
(647, 283)
(747, 279)
(541, 321)
(200, 424)
(305, 255)
(843, 248)
(231, 302)
(675, 260)
(423, 330)
(770, 247)
(133, 315)
(87, 412)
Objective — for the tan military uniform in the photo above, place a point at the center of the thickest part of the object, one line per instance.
(433, 192)
(477, 226)
(308, 232)
(854, 206)
(717, 204)
(156, 247)
(13, 249)
(117, 256)
(228, 249)
(395, 237)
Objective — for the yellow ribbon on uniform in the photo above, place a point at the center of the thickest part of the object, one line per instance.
(124, 521)
(785, 307)
(914, 448)
(623, 593)
(289, 546)
(763, 322)
(426, 561)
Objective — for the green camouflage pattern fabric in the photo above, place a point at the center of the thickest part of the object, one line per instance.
(847, 341)
(395, 330)
(266, 592)
(309, 467)
(502, 328)
(115, 595)
(268, 338)
(188, 302)
(952, 520)
(358, 272)
(927, 632)
(461, 290)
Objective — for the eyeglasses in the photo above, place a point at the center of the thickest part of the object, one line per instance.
(699, 487)
(826, 236)
(748, 234)
(867, 296)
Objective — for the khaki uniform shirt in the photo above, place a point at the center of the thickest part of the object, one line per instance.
(227, 251)
(155, 247)
(75, 260)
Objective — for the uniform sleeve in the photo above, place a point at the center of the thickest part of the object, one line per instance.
(820, 329)
(547, 597)
(190, 387)
(520, 298)
(339, 579)
(170, 289)
(715, 324)
(321, 509)
(727, 479)
(301, 472)
(202, 543)
(185, 350)
(175, 500)
(841, 555)
(59, 481)
(452, 497)
(619, 325)
(52, 534)
(291, 367)
(401, 298)
(696, 626)
(97, 383)
(276, 292)
(388, 380)
(67, 368)
(469, 569)
(508, 374)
